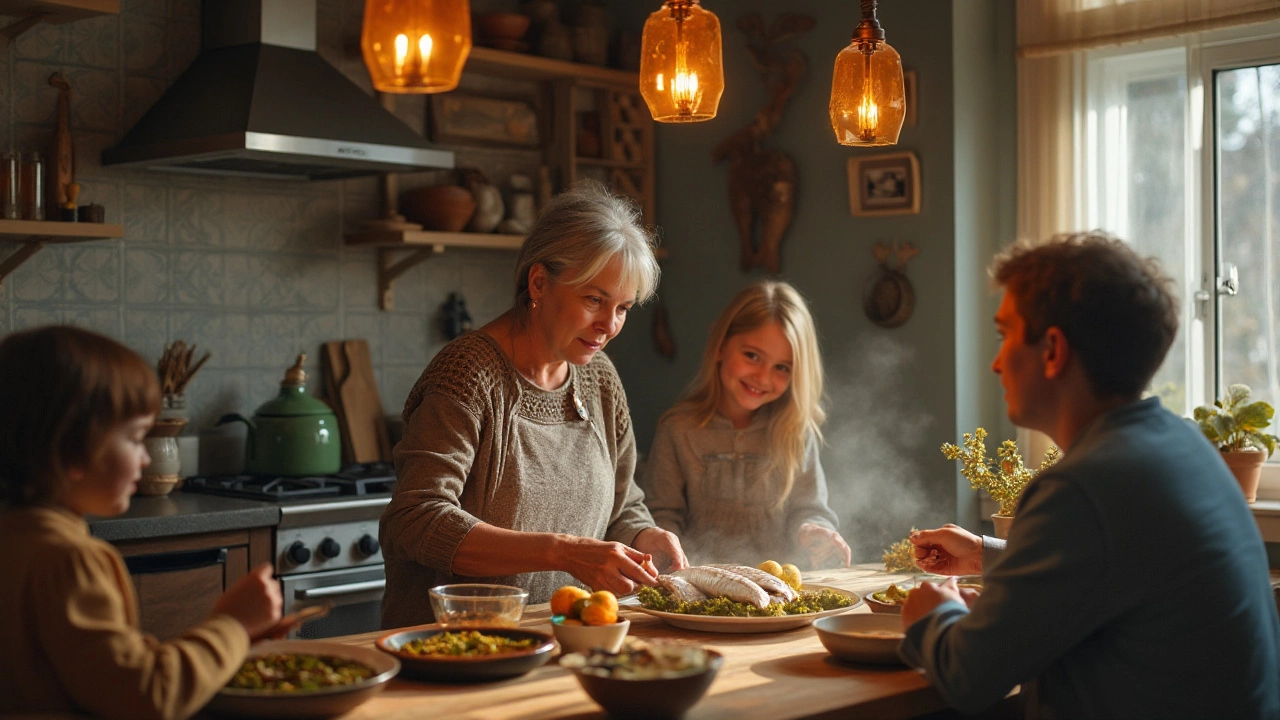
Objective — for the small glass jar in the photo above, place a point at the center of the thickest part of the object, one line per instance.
(9, 207)
(31, 186)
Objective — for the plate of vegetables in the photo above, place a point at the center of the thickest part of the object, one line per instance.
(304, 679)
(722, 614)
(467, 654)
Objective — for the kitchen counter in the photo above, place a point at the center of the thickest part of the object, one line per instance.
(774, 675)
(180, 513)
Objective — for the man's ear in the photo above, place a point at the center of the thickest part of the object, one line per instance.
(1055, 352)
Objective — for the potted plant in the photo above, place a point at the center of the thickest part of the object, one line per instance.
(1004, 479)
(1235, 426)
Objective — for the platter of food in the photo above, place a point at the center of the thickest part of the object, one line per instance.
(468, 654)
(840, 601)
(304, 679)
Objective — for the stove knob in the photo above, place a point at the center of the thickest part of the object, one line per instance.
(368, 545)
(298, 553)
(329, 548)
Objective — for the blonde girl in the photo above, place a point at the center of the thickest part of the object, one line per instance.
(74, 407)
(734, 468)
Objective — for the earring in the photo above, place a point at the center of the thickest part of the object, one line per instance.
(533, 304)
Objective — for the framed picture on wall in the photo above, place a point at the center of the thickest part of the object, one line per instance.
(909, 90)
(459, 117)
(884, 184)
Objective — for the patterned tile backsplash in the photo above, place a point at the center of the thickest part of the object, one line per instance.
(253, 271)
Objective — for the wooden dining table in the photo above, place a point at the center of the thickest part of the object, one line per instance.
(765, 675)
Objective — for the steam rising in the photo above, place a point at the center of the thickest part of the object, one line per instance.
(883, 469)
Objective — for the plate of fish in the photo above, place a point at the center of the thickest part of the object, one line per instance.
(738, 599)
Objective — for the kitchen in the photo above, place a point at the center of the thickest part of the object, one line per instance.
(257, 271)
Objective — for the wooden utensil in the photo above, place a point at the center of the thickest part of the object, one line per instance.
(350, 380)
(295, 619)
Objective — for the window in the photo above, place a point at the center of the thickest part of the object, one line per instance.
(1182, 158)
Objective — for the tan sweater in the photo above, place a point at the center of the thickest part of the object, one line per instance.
(482, 444)
(70, 637)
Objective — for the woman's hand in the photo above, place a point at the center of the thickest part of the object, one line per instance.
(604, 565)
(824, 546)
(663, 546)
(922, 600)
(949, 550)
(254, 600)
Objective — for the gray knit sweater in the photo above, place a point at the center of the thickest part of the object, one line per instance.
(482, 444)
(712, 486)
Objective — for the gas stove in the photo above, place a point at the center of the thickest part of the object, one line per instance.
(360, 479)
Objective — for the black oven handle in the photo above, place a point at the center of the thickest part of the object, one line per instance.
(330, 591)
(175, 561)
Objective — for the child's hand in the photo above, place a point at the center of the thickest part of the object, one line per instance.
(254, 600)
(824, 546)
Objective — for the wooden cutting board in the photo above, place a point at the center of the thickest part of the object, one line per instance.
(350, 384)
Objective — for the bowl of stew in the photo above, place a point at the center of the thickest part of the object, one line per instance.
(467, 654)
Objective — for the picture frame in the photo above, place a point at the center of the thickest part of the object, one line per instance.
(887, 184)
(909, 91)
(456, 117)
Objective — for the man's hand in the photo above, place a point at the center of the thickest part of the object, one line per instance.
(926, 597)
(949, 550)
(663, 546)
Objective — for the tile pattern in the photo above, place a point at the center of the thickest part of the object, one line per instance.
(253, 271)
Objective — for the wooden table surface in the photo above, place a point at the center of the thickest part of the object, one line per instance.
(771, 675)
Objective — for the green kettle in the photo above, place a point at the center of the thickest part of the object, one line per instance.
(294, 434)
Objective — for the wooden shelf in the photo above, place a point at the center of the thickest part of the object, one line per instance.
(535, 67)
(401, 250)
(57, 12)
(34, 234)
(608, 163)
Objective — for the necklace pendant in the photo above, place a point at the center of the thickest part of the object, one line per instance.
(577, 404)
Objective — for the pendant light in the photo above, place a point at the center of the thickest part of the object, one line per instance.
(868, 102)
(416, 46)
(681, 69)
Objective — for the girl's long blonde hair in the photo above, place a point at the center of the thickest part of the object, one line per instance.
(799, 411)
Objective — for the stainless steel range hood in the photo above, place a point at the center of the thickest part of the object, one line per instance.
(259, 101)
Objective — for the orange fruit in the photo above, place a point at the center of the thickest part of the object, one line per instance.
(563, 599)
(605, 598)
(599, 614)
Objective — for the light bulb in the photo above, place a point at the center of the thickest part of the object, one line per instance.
(681, 69)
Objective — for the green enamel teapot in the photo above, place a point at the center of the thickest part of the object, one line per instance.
(293, 434)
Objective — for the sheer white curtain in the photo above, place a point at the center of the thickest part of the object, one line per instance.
(1053, 36)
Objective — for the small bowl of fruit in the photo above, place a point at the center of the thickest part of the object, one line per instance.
(583, 621)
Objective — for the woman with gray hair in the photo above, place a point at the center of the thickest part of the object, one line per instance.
(518, 456)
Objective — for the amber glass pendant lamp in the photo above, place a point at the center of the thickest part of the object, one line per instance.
(681, 68)
(416, 46)
(868, 103)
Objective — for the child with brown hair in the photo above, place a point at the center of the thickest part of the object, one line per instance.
(74, 408)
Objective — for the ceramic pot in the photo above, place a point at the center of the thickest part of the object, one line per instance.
(293, 435)
(161, 442)
(442, 208)
(1002, 523)
(1246, 466)
(489, 208)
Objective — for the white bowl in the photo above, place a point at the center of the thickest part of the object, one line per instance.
(585, 638)
(861, 637)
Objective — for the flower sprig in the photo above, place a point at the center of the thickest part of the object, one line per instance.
(1005, 478)
(901, 556)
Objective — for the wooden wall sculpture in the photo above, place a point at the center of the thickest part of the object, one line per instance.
(762, 181)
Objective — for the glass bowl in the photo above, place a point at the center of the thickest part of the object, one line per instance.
(478, 605)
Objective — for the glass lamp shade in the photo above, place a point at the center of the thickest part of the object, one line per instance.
(416, 46)
(868, 103)
(681, 69)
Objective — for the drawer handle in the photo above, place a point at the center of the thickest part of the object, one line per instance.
(337, 590)
(175, 561)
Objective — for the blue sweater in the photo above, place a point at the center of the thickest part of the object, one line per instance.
(1134, 585)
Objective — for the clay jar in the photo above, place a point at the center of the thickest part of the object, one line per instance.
(442, 208)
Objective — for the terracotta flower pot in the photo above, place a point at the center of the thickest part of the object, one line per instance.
(1246, 465)
(1002, 523)
(444, 208)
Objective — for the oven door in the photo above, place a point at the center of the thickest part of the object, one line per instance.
(356, 594)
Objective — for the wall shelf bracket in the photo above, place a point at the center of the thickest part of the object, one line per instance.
(391, 267)
(17, 257)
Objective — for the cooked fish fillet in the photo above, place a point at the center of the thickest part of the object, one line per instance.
(771, 584)
(718, 582)
(681, 589)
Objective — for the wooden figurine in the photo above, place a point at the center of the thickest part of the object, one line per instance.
(762, 181)
(62, 160)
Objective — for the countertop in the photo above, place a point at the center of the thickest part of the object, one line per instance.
(769, 675)
(180, 513)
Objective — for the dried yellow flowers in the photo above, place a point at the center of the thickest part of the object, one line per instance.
(1003, 480)
(900, 556)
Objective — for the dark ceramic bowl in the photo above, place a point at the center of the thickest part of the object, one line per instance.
(454, 669)
(502, 26)
(657, 699)
(443, 208)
